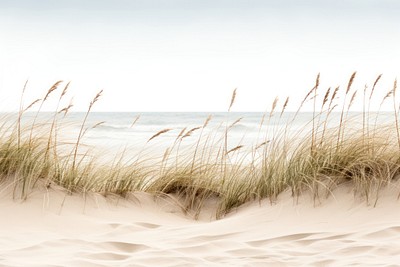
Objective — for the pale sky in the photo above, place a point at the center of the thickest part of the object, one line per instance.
(182, 55)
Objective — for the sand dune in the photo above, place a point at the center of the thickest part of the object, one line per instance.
(52, 228)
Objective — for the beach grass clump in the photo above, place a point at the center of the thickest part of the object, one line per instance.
(366, 164)
(331, 149)
(24, 162)
(366, 155)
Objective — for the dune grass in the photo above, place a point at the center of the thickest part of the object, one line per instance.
(317, 159)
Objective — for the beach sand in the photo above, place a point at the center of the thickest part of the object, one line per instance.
(52, 228)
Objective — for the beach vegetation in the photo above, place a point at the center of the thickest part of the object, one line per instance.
(331, 149)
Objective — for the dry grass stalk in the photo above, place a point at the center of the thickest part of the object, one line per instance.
(189, 133)
(180, 134)
(81, 131)
(135, 121)
(234, 123)
(396, 112)
(350, 82)
(32, 104)
(364, 127)
(387, 96)
(341, 126)
(284, 106)
(347, 112)
(165, 156)
(20, 112)
(369, 100)
(314, 130)
(54, 122)
(334, 95)
(232, 99)
(326, 98)
(207, 121)
(373, 87)
(66, 109)
(274, 104)
(262, 144)
(159, 133)
(52, 89)
(330, 109)
(64, 91)
(306, 98)
(352, 100)
(234, 149)
(98, 124)
(95, 99)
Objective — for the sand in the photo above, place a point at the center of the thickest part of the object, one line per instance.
(52, 228)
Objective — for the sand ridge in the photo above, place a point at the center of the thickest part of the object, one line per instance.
(52, 228)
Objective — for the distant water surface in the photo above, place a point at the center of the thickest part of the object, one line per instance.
(114, 132)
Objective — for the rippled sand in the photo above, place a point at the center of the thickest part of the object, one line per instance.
(52, 228)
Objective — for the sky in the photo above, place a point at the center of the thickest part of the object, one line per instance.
(186, 55)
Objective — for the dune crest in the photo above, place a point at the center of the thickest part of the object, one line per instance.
(52, 228)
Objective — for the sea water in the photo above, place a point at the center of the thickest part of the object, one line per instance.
(130, 133)
(239, 128)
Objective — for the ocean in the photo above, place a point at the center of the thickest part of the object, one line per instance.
(118, 130)
(109, 134)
